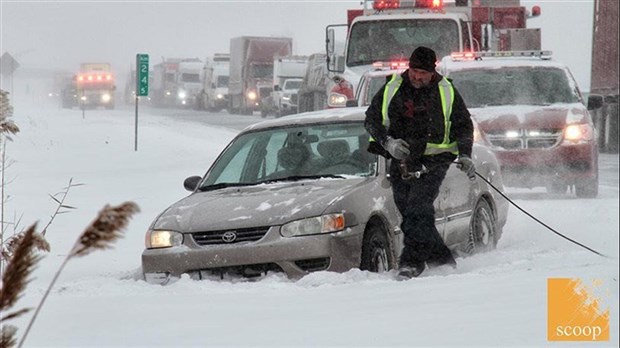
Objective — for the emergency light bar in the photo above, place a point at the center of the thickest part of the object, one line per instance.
(499, 54)
(394, 65)
(92, 78)
(396, 4)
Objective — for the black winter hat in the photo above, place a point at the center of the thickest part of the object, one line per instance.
(423, 58)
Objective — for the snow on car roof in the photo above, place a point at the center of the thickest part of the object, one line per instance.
(327, 115)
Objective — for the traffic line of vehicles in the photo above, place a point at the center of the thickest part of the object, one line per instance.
(532, 128)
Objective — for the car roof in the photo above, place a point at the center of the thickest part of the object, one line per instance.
(447, 64)
(350, 114)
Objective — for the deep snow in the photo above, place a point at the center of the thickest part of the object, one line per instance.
(492, 299)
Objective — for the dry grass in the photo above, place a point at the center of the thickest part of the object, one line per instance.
(15, 278)
(105, 229)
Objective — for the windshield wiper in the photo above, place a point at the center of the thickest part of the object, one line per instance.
(301, 177)
(224, 185)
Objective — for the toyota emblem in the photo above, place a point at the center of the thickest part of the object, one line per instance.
(229, 237)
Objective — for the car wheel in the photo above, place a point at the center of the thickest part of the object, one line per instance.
(483, 233)
(587, 188)
(376, 255)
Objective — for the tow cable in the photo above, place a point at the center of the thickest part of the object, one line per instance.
(407, 175)
(537, 220)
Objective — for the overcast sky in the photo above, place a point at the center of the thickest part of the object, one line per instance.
(61, 34)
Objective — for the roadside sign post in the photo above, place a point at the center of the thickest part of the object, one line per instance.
(142, 85)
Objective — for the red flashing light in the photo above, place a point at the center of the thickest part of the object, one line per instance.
(385, 4)
(535, 11)
(433, 4)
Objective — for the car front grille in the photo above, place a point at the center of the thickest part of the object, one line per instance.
(251, 234)
(525, 139)
(313, 265)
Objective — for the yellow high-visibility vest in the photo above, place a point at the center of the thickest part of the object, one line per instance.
(446, 92)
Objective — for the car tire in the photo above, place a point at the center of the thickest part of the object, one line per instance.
(376, 254)
(483, 232)
(587, 188)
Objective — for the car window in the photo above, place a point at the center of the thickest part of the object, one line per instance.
(514, 86)
(292, 84)
(324, 149)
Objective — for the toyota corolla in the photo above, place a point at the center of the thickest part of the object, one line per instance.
(301, 194)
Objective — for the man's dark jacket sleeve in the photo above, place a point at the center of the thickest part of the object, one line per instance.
(462, 127)
(374, 125)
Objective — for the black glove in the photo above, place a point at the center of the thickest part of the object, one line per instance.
(398, 148)
(466, 165)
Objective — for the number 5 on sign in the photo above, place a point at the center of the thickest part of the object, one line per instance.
(142, 74)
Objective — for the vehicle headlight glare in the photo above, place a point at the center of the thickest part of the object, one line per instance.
(182, 94)
(163, 239)
(315, 225)
(106, 98)
(220, 96)
(578, 132)
(252, 95)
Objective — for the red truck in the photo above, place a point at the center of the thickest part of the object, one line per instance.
(251, 70)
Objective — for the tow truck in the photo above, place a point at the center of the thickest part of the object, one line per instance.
(479, 25)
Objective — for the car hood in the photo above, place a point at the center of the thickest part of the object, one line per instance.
(496, 118)
(251, 206)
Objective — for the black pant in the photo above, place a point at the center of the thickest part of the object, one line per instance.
(414, 199)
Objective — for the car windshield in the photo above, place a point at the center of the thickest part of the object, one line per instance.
(292, 84)
(222, 81)
(514, 86)
(385, 41)
(187, 77)
(334, 150)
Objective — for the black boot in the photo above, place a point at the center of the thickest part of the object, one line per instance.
(410, 271)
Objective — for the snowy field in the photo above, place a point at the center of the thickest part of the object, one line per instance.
(493, 299)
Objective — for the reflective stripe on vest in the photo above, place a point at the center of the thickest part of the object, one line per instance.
(446, 93)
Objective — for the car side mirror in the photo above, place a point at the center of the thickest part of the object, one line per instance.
(595, 101)
(191, 183)
(351, 103)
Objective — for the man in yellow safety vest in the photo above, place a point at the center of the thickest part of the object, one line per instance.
(420, 121)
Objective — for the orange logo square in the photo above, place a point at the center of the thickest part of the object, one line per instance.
(573, 311)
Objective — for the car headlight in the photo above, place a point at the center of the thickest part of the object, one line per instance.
(220, 96)
(106, 98)
(163, 239)
(337, 100)
(181, 94)
(252, 95)
(314, 225)
(576, 133)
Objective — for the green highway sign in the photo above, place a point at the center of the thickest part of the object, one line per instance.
(142, 74)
